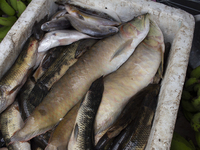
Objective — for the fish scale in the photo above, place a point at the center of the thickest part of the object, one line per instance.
(82, 136)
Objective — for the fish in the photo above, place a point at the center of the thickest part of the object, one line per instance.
(60, 38)
(2, 141)
(135, 74)
(128, 114)
(10, 122)
(90, 10)
(90, 28)
(82, 137)
(16, 76)
(89, 18)
(104, 57)
(57, 24)
(47, 60)
(135, 136)
(60, 137)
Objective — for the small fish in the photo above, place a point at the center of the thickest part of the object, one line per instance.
(128, 114)
(59, 38)
(11, 121)
(57, 24)
(104, 57)
(135, 136)
(82, 136)
(135, 74)
(16, 76)
(90, 28)
(89, 18)
(60, 137)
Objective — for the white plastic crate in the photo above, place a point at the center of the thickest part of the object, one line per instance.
(177, 27)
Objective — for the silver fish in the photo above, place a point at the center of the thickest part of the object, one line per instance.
(90, 28)
(60, 37)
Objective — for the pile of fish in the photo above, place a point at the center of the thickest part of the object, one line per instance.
(90, 82)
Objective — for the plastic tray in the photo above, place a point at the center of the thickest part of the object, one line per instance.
(177, 27)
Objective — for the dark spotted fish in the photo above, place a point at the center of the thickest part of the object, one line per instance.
(82, 136)
(128, 114)
(16, 76)
(91, 29)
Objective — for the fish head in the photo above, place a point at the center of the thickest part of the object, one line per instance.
(155, 37)
(135, 27)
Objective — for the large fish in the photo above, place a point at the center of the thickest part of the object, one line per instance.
(58, 68)
(129, 113)
(16, 76)
(59, 38)
(90, 28)
(89, 18)
(106, 56)
(136, 135)
(82, 137)
(11, 121)
(60, 137)
(135, 74)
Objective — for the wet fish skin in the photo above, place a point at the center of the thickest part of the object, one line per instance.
(90, 28)
(60, 137)
(23, 96)
(139, 129)
(11, 121)
(89, 18)
(128, 114)
(140, 69)
(16, 76)
(106, 56)
(56, 24)
(59, 38)
(82, 136)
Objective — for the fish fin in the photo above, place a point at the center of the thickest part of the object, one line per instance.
(20, 134)
(14, 89)
(121, 49)
(76, 131)
(79, 53)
